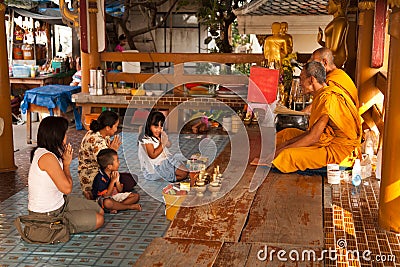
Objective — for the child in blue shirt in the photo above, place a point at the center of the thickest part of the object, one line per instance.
(107, 187)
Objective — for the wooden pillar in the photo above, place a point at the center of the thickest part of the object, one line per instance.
(6, 132)
(90, 60)
(389, 200)
(350, 66)
(85, 67)
(365, 80)
(49, 35)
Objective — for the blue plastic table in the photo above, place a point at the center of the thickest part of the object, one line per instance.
(55, 98)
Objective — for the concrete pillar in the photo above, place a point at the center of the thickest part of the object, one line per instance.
(6, 131)
(365, 80)
(389, 200)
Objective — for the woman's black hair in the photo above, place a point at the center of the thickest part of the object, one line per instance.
(122, 37)
(155, 118)
(51, 135)
(106, 118)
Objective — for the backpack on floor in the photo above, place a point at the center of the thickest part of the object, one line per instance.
(43, 229)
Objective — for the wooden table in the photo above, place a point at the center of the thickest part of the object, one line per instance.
(27, 83)
(50, 98)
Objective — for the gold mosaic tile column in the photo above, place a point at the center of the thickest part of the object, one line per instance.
(389, 213)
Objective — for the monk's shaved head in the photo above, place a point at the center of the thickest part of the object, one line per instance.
(325, 56)
(324, 53)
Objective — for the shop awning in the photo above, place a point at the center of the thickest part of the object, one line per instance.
(54, 19)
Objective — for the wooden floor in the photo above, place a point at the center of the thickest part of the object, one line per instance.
(285, 213)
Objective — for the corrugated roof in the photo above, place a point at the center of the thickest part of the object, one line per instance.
(284, 7)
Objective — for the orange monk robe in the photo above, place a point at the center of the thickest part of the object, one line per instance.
(340, 78)
(341, 136)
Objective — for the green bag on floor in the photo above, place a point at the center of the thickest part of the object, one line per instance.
(43, 229)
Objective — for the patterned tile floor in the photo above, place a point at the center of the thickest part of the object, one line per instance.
(124, 236)
(351, 224)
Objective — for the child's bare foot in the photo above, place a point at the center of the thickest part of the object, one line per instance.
(113, 211)
(137, 207)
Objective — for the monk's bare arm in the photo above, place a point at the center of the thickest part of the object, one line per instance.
(307, 109)
(291, 141)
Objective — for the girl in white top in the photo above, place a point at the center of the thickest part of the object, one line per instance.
(49, 179)
(155, 160)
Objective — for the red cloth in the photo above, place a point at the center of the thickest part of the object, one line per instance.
(263, 85)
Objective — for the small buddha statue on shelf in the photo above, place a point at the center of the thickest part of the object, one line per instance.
(275, 47)
(287, 37)
(336, 31)
(283, 96)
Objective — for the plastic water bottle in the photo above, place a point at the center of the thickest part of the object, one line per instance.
(369, 143)
(356, 173)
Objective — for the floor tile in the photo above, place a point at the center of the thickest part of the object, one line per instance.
(57, 260)
(108, 262)
(116, 254)
(84, 261)
(125, 239)
(11, 258)
(139, 247)
(90, 252)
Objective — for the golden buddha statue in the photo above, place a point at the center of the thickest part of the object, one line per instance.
(275, 47)
(287, 37)
(336, 31)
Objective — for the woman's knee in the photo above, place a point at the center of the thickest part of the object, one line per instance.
(101, 211)
(99, 220)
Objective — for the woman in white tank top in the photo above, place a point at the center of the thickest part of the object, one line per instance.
(50, 181)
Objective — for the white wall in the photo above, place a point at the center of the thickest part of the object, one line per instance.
(305, 43)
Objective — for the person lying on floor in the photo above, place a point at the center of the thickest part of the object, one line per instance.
(334, 132)
(155, 160)
(107, 189)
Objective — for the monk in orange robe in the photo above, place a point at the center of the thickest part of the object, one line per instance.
(334, 127)
(334, 75)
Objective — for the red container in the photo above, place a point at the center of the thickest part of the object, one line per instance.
(17, 52)
(263, 85)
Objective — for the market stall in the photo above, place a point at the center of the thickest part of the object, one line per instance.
(33, 59)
